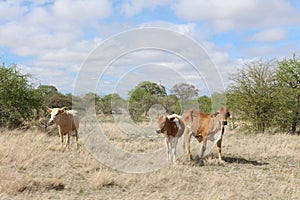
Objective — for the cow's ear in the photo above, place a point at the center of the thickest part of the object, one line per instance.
(49, 110)
(228, 115)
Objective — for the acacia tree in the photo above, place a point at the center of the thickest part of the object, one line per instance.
(185, 94)
(184, 91)
(112, 103)
(171, 104)
(91, 101)
(143, 97)
(47, 92)
(288, 77)
(18, 98)
(253, 94)
(205, 104)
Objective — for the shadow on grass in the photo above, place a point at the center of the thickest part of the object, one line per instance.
(239, 160)
(212, 160)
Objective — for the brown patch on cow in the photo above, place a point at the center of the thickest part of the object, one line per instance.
(168, 126)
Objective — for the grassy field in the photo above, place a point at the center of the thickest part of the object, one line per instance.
(34, 166)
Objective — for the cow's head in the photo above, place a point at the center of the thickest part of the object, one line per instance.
(55, 114)
(223, 115)
(163, 123)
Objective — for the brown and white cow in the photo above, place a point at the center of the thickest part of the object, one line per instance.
(202, 126)
(172, 127)
(67, 121)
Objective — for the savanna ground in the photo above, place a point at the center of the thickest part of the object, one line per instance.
(34, 166)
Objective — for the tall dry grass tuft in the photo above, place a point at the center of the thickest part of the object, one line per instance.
(104, 179)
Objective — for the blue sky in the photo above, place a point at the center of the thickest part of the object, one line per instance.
(53, 39)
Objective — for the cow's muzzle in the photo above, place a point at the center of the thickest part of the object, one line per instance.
(224, 123)
(158, 131)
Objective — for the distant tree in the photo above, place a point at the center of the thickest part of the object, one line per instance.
(91, 101)
(112, 103)
(18, 98)
(152, 88)
(60, 100)
(143, 97)
(184, 91)
(253, 94)
(171, 104)
(218, 99)
(288, 77)
(47, 92)
(205, 104)
(118, 104)
(77, 102)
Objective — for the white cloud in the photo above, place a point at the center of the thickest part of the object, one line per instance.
(270, 51)
(270, 35)
(234, 15)
(81, 10)
(212, 10)
(133, 7)
(51, 40)
(10, 10)
(188, 29)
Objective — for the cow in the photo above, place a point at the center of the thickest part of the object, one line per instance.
(66, 121)
(172, 127)
(202, 125)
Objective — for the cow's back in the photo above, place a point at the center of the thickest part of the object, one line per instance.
(69, 121)
(197, 121)
(74, 118)
(191, 119)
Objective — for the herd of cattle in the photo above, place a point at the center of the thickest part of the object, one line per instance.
(193, 122)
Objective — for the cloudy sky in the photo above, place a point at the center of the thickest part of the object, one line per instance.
(113, 45)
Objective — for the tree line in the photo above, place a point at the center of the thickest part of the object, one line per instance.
(262, 96)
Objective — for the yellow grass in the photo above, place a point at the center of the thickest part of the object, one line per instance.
(33, 166)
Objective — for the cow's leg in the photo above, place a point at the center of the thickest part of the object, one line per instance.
(61, 138)
(219, 143)
(167, 142)
(68, 141)
(174, 146)
(187, 144)
(76, 138)
(204, 141)
(183, 141)
(172, 149)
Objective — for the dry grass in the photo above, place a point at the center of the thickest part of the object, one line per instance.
(33, 166)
